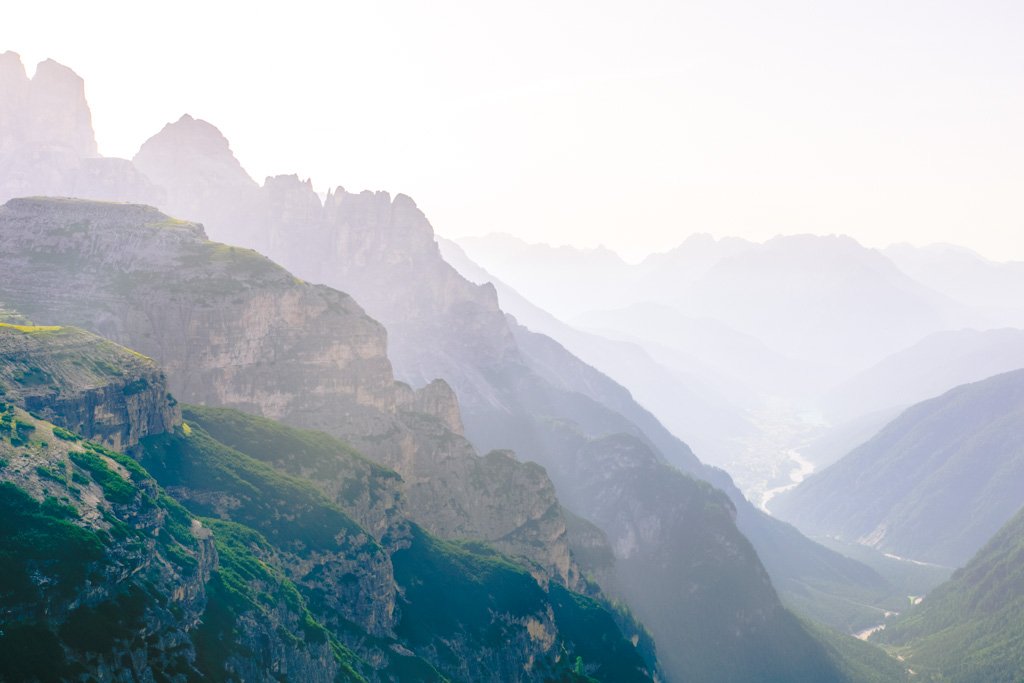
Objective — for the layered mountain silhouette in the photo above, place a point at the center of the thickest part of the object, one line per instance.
(926, 369)
(967, 277)
(233, 329)
(679, 397)
(825, 301)
(516, 389)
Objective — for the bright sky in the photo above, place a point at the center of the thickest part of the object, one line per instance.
(630, 124)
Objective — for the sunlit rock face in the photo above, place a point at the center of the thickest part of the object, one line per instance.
(120, 581)
(545, 404)
(230, 327)
(234, 329)
(85, 383)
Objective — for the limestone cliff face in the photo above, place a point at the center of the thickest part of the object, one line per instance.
(379, 249)
(382, 250)
(14, 106)
(229, 326)
(435, 400)
(194, 173)
(463, 608)
(85, 384)
(122, 583)
(440, 325)
(498, 499)
(233, 329)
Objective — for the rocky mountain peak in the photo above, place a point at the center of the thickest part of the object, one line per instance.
(14, 85)
(12, 70)
(47, 111)
(436, 399)
(177, 147)
(192, 162)
(60, 113)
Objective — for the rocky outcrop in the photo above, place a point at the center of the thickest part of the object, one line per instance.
(85, 384)
(433, 614)
(47, 145)
(279, 218)
(233, 329)
(108, 583)
(436, 400)
(14, 106)
(276, 582)
(229, 326)
(382, 251)
(48, 110)
(219, 183)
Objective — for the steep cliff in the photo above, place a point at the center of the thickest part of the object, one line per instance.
(233, 329)
(382, 250)
(129, 583)
(85, 383)
(47, 110)
(108, 576)
(103, 575)
(516, 389)
(440, 325)
(47, 144)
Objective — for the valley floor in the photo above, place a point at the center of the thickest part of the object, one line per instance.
(770, 462)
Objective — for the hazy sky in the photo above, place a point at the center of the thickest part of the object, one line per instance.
(631, 124)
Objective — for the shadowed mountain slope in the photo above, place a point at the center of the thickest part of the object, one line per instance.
(514, 386)
(382, 250)
(106, 570)
(934, 485)
(231, 328)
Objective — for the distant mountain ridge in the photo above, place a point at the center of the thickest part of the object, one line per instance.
(865, 307)
(930, 367)
(382, 250)
(145, 314)
(697, 410)
(515, 388)
(967, 277)
(933, 485)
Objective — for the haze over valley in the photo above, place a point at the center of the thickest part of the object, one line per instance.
(260, 428)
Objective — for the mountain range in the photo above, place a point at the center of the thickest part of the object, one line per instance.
(232, 329)
(195, 559)
(391, 462)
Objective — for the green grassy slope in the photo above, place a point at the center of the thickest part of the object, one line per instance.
(971, 628)
(459, 602)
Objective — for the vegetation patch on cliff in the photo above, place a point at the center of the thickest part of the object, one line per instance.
(213, 480)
